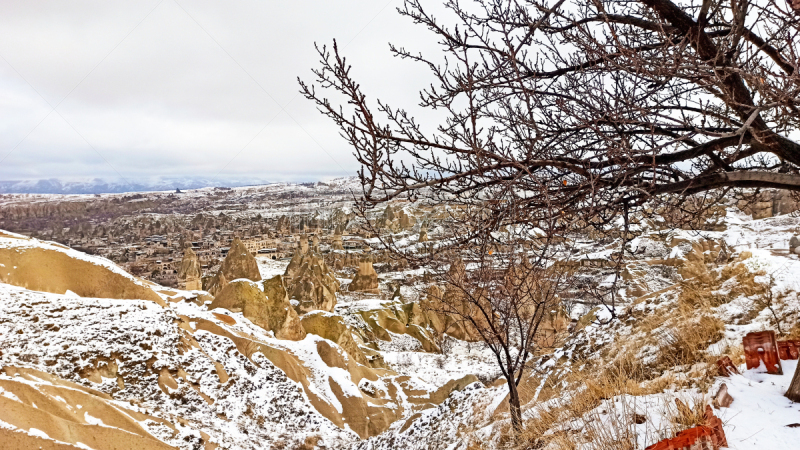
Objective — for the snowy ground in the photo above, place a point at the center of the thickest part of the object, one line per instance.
(270, 268)
(462, 359)
(760, 416)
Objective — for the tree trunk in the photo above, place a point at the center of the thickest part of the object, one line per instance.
(514, 406)
(793, 393)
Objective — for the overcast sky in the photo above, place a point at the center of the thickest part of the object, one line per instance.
(197, 88)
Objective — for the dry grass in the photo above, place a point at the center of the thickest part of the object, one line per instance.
(577, 422)
(309, 444)
(701, 291)
(553, 422)
(732, 349)
(685, 343)
(686, 413)
(684, 337)
(794, 332)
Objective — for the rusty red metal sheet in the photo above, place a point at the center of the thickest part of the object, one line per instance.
(789, 349)
(762, 347)
(725, 367)
(707, 436)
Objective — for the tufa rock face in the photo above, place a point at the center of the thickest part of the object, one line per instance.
(270, 313)
(189, 272)
(334, 329)
(311, 283)
(395, 220)
(404, 220)
(303, 244)
(51, 268)
(337, 242)
(423, 235)
(238, 264)
(388, 213)
(366, 280)
(770, 203)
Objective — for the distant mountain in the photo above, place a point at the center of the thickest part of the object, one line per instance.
(100, 186)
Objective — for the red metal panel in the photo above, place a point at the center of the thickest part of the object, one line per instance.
(789, 349)
(725, 367)
(762, 347)
(709, 436)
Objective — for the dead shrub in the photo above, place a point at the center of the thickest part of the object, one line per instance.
(794, 332)
(552, 421)
(686, 343)
(686, 414)
(309, 444)
(703, 291)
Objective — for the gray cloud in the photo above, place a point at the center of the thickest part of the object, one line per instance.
(163, 99)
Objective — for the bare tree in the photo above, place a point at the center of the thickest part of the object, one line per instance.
(574, 113)
(607, 104)
(500, 296)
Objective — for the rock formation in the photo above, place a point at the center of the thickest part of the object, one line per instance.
(395, 220)
(423, 234)
(337, 242)
(404, 221)
(282, 224)
(366, 279)
(334, 329)
(238, 264)
(388, 213)
(190, 273)
(339, 230)
(270, 309)
(770, 203)
(302, 244)
(51, 267)
(311, 283)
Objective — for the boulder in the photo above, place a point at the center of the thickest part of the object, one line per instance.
(273, 314)
(366, 279)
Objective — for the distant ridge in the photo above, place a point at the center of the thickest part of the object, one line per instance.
(101, 186)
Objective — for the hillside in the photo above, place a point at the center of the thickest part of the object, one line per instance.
(93, 357)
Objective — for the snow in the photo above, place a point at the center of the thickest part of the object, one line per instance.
(10, 395)
(269, 267)
(760, 415)
(461, 360)
(102, 329)
(81, 332)
(92, 420)
(38, 433)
